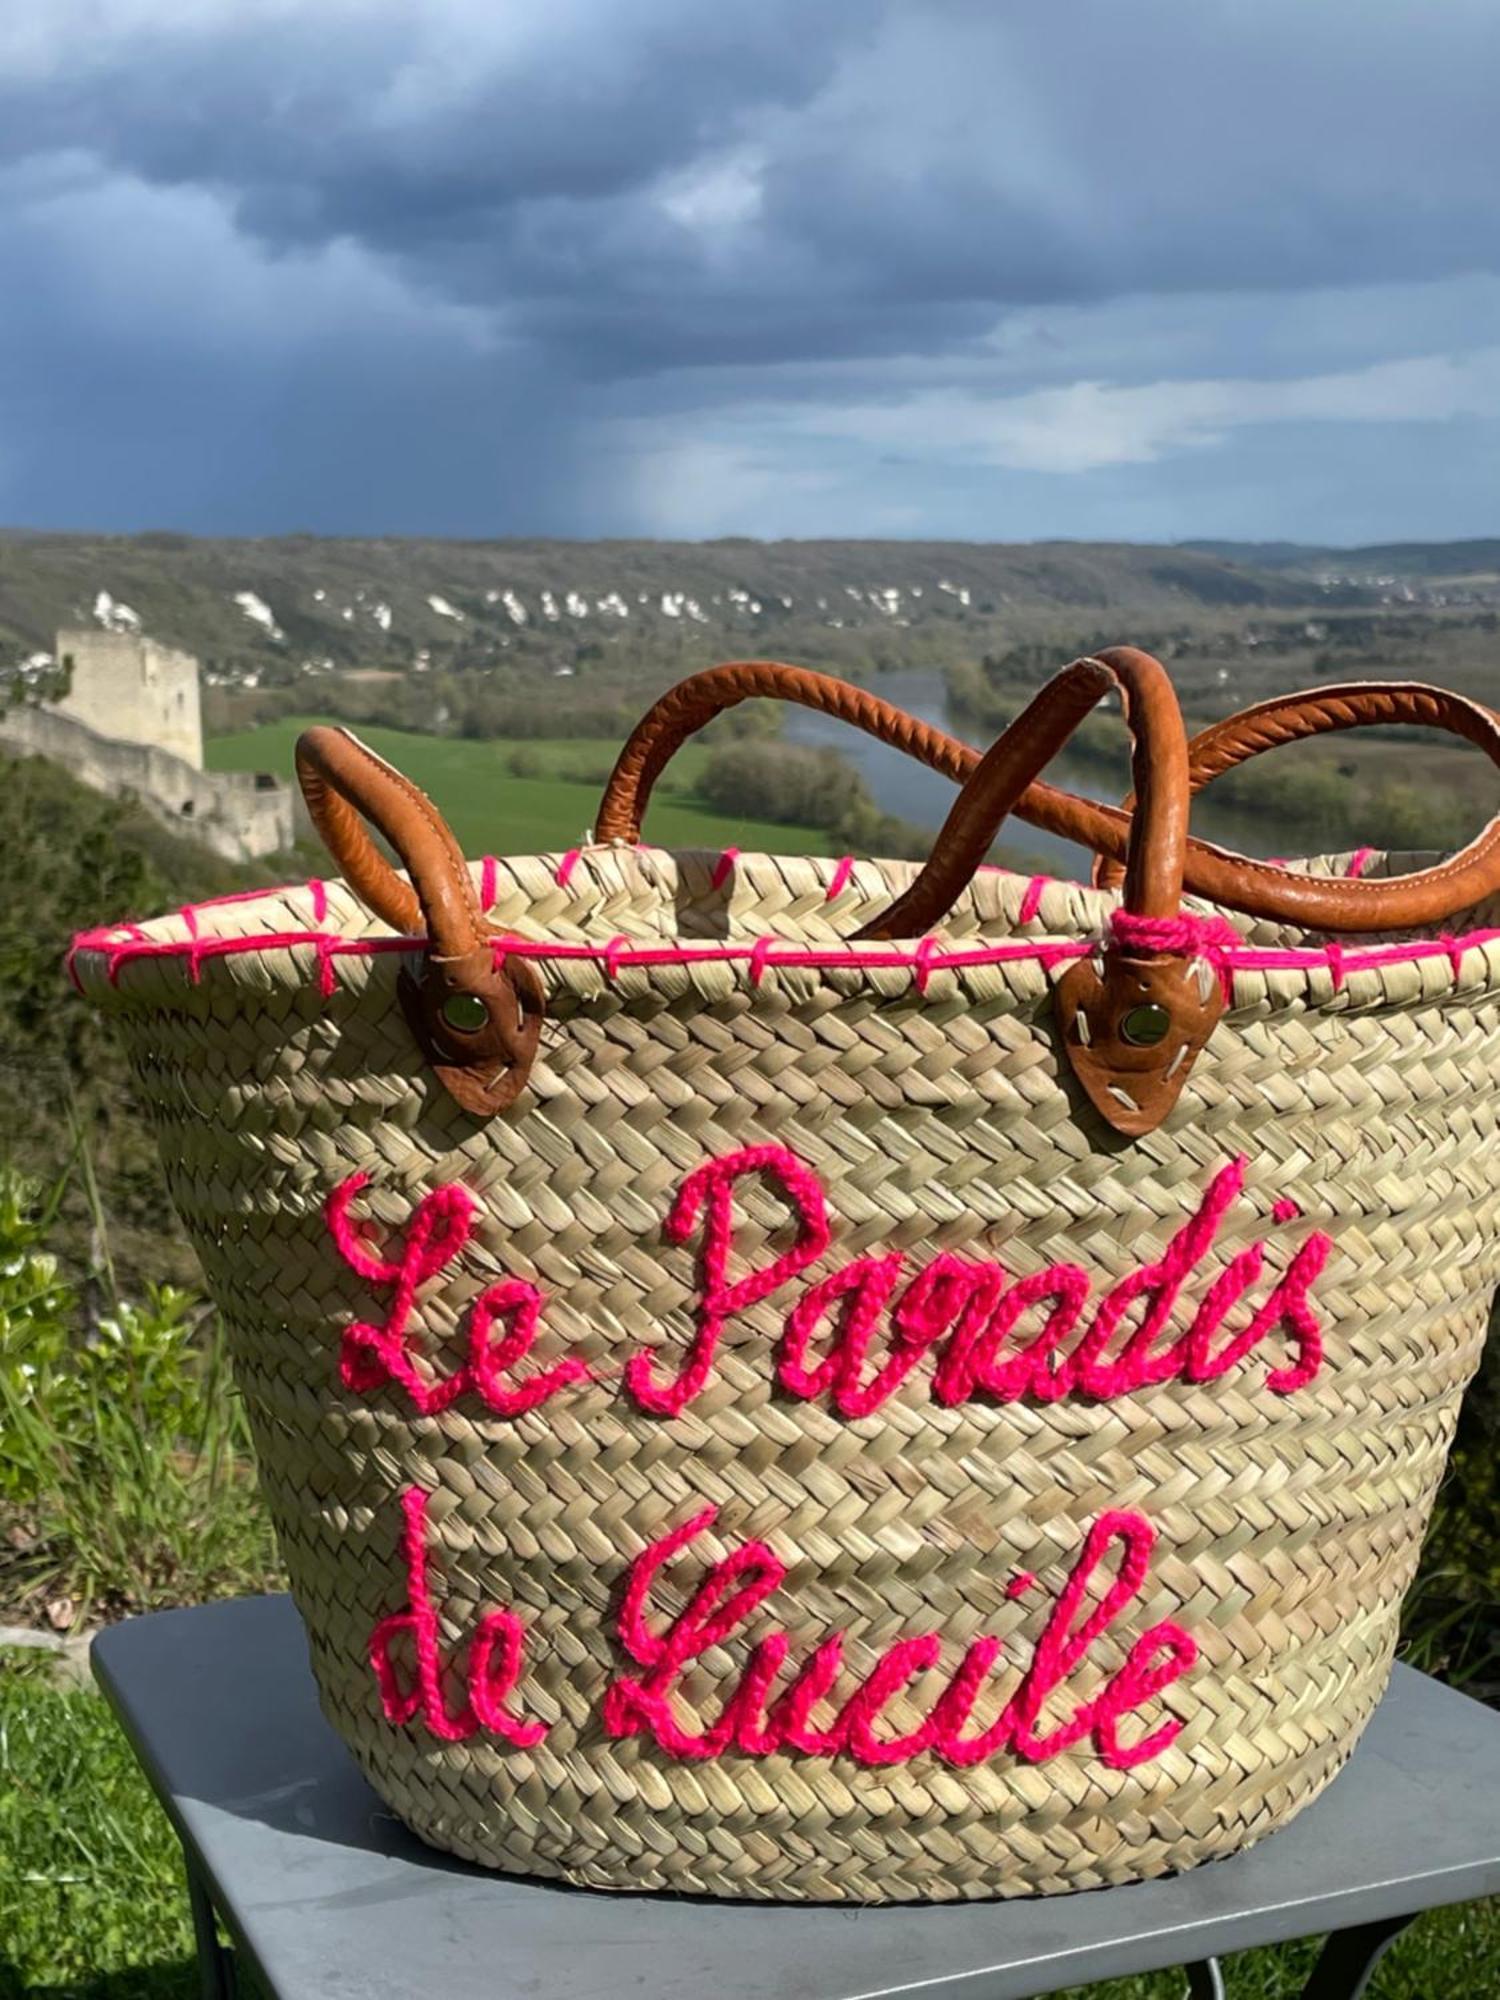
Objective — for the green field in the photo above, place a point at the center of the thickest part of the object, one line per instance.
(493, 812)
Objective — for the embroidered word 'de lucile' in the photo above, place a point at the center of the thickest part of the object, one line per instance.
(759, 1716)
(968, 1313)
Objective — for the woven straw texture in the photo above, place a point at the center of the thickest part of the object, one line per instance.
(940, 1117)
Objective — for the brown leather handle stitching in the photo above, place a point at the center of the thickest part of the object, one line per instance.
(477, 1023)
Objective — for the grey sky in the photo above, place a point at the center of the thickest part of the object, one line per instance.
(981, 268)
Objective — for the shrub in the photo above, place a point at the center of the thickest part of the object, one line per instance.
(125, 1481)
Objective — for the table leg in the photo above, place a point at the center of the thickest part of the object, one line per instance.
(1205, 1980)
(1348, 1960)
(215, 1964)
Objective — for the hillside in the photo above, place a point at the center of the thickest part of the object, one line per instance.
(270, 612)
(77, 859)
(1379, 566)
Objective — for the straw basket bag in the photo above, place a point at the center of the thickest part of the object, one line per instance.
(834, 1379)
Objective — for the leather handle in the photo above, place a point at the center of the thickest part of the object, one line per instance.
(477, 1023)
(693, 703)
(1400, 902)
(1135, 1015)
(1155, 832)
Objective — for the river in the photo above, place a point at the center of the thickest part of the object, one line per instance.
(899, 784)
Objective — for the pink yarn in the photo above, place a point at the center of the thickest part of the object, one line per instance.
(1288, 1306)
(490, 1681)
(862, 1290)
(895, 1670)
(725, 866)
(1184, 936)
(790, 1724)
(489, 881)
(1031, 902)
(519, 1301)
(1284, 1209)
(1090, 1368)
(759, 958)
(194, 950)
(1046, 952)
(971, 1369)
(318, 890)
(711, 1189)
(370, 1356)
(566, 866)
(730, 1592)
(1174, 1651)
(755, 1725)
(927, 950)
(968, 1310)
(840, 879)
(1359, 861)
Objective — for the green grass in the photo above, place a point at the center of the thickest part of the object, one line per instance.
(92, 1903)
(91, 1891)
(492, 811)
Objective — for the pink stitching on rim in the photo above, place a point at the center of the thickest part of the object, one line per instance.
(1047, 952)
(754, 1724)
(189, 917)
(490, 1681)
(566, 866)
(1359, 861)
(724, 867)
(1031, 902)
(1199, 937)
(489, 881)
(759, 956)
(840, 878)
(370, 1356)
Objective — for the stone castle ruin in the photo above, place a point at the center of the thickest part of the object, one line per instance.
(131, 724)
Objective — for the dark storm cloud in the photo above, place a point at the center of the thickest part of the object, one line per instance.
(902, 166)
(306, 238)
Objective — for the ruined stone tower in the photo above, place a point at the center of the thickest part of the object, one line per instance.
(130, 688)
(131, 725)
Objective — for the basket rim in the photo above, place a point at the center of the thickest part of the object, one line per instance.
(1215, 941)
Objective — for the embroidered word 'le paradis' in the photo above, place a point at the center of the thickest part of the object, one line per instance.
(754, 1719)
(967, 1312)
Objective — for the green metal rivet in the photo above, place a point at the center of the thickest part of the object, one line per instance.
(1146, 1025)
(466, 1012)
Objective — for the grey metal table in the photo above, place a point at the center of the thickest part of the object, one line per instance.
(324, 1894)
